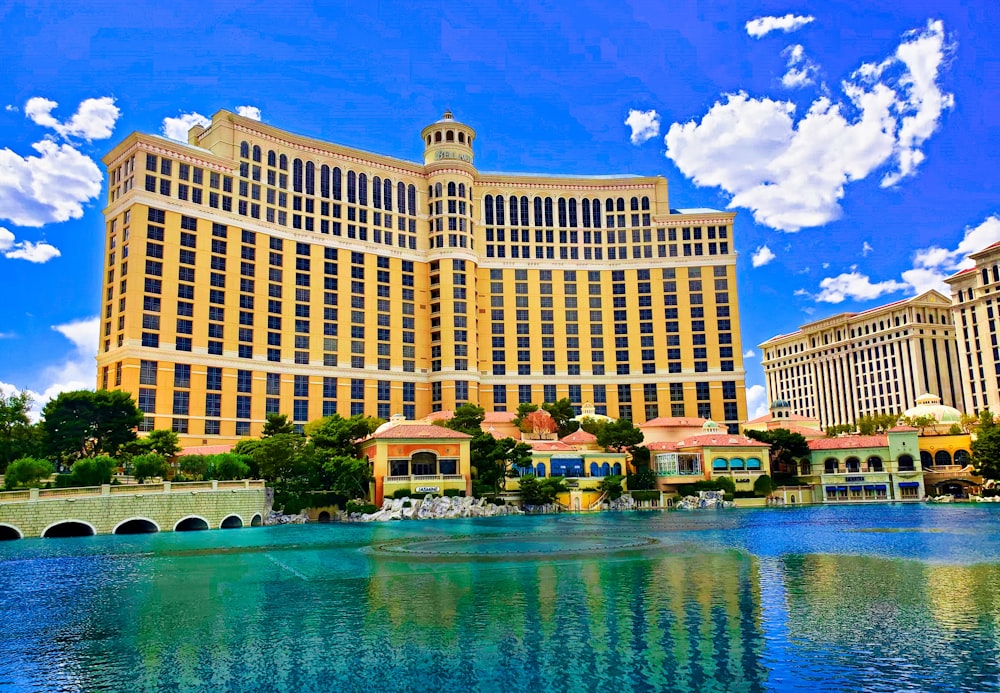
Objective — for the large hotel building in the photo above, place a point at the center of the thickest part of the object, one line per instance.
(878, 361)
(253, 271)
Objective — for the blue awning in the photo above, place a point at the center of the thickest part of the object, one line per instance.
(869, 488)
(831, 489)
(880, 487)
(855, 488)
(909, 484)
(842, 488)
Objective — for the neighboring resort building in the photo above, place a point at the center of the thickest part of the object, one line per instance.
(844, 367)
(975, 296)
(253, 271)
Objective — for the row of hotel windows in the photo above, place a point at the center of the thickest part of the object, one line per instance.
(931, 317)
(494, 212)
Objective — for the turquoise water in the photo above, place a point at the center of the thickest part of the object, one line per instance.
(876, 598)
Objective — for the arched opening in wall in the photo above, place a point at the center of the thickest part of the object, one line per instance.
(905, 463)
(137, 525)
(423, 464)
(962, 458)
(461, 137)
(942, 458)
(437, 136)
(9, 533)
(69, 528)
(428, 139)
(450, 136)
(232, 522)
(926, 460)
(324, 517)
(853, 465)
(191, 524)
(255, 521)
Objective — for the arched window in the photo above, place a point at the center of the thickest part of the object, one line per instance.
(905, 462)
(352, 186)
(377, 192)
(488, 205)
(605, 469)
(411, 200)
(524, 211)
(538, 211)
(461, 190)
(283, 162)
(585, 205)
(609, 205)
(337, 183)
(645, 203)
(926, 460)
(461, 137)
(594, 469)
(450, 136)
(572, 214)
(387, 195)
(297, 175)
(875, 464)
(830, 465)
(401, 197)
(438, 190)
(617, 469)
(513, 210)
(428, 139)
(621, 204)
(256, 153)
(719, 464)
(244, 150)
(753, 463)
(961, 458)
(805, 468)
(540, 470)
(437, 136)
(324, 181)
(737, 463)
(451, 188)
(634, 204)
(362, 189)
(853, 464)
(272, 158)
(597, 213)
(942, 458)
(310, 178)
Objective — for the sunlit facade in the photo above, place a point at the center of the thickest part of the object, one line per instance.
(253, 271)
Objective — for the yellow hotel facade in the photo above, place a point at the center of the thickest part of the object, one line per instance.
(253, 271)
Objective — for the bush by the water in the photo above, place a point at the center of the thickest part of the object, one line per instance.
(26, 472)
(645, 495)
(724, 484)
(356, 506)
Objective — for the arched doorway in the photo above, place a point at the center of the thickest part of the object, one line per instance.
(191, 524)
(232, 522)
(255, 521)
(423, 464)
(136, 525)
(69, 528)
(323, 517)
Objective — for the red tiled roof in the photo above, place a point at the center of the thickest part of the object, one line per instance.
(206, 450)
(414, 430)
(661, 446)
(790, 417)
(579, 436)
(901, 428)
(499, 416)
(442, 415)
(849, 443)
(549, 445)
(664, 421)
(715, 440)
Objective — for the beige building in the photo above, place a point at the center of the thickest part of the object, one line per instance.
(253, 270)
(975, 296)
(850, 365)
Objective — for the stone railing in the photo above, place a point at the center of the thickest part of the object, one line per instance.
(128, 489)
(424, 477)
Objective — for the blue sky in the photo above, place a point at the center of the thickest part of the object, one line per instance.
(856, 144)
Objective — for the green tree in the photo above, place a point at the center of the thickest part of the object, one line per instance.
(619, 436)
(764, 485)
(277, 424)
(535, 491)
(85, 423)
(562, 413)
(18, 436)
(495, 460)
(92, 471)
(27, 472)
(163, 442)
(338, 436)
(612, 485)
(986, 447)
(523, 409)
(787, 448)
(644, 479)
(148, 466)
(593, 425)
(835, 430)
(194, 467)
(227, 466)
(468, 419)
(922, 422)
(348, 476)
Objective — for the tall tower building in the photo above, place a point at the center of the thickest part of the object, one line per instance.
(875, 362)
(253, 271)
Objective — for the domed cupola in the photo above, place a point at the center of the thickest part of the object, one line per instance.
(447, 141)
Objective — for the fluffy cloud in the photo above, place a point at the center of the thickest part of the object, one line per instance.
(94, 118)
(866, 248)
(26, 250)
(749, 354)
(762, 26)
(50, 187)
(762, 256)
(856, 286)
(801, 70)
(756, 401)
(74, 372)
(251, 112)
(645, 125)
(791, 173)
(177, 128)
(931, 265)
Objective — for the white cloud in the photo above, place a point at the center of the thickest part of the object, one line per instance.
(801, 70)
(645, 125)
(931, 265)
(50, 187)
(251, 112)
(177, 128)
(791, 172)
(761, 26)
(94, 118)
(76, 371)
(762, 256)
(749, 354)
(11, 108)
(866, 248)
(757, 401)
(854, 285)
(26, 250)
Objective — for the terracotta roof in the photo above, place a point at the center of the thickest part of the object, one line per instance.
(415, 430)
(579, 436)
(206, 450)
(499, 416)
(849, 442)
(716, 440)
(805, 432)
(899, 428)
(661, 446)
(664, 421)
(442, 415)
(790, 417)
(549, 445)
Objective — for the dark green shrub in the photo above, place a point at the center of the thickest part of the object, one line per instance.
(454, 493)
(356, 506)
(401, 493)
(27, 472)
(744, 494)
(645, 495)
